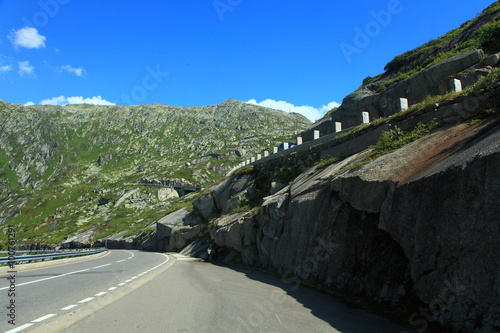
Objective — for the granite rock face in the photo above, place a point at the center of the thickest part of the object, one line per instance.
(415, 89)
(420, 223)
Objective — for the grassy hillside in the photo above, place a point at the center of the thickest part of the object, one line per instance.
(479, 33)
(63, 169)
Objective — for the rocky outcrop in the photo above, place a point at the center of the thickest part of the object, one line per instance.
(175, 231)
(432, 81)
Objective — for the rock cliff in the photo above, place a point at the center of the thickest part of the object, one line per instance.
(415, 230)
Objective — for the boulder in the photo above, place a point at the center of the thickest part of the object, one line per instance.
(205, 205)
(176, 230)
(167, 193)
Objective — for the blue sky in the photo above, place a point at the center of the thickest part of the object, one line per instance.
(302, 56)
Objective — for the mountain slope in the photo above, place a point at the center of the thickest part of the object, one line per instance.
(63, 170)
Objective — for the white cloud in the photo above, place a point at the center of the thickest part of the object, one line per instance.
(25, 68)
(5, 68)
(96, 100)
(61, 100)
(28, 38)
(309, 112)
(29, 104)
(70, 69)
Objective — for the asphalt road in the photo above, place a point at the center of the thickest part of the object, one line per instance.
(71, 291)
(178, 295)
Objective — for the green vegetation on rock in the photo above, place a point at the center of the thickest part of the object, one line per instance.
(107, 169)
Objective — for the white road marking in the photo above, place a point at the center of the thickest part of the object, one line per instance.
(43, 318)
(132, 255)
(121, 284)
(69, 307)
(121, 260)
(48, 278)
(135, 277)
(112, 288)
(19, 329)
(101, 266)
(88, 299)
(128, 281)
(101, 293)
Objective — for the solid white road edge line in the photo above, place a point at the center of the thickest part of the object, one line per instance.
(19, 329)
(49, 278)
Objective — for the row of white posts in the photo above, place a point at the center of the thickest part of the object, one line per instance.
(403, 105)
(275, 150)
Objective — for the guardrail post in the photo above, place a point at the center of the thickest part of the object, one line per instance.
(403, 104)
(456, 85)
(366, 117)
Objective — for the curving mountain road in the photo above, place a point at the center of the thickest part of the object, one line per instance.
(133, 291)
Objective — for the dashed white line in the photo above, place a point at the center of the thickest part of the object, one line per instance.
(121, 261)
(19, 329)
(121, 284)
(128, 281)
(101, 266)
(112, 288)
(88, 299)
(43, 318)
(69, 307)
(101, 293)
(135, 277)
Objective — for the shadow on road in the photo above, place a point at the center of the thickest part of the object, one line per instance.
(340, 315)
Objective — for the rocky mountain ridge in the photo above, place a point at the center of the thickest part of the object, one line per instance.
(63, 169)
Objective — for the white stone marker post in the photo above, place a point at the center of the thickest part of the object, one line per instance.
(299, 140)
(366, 117)
(338, 127)
(403, 104)
(316, 135)
(456, 85)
